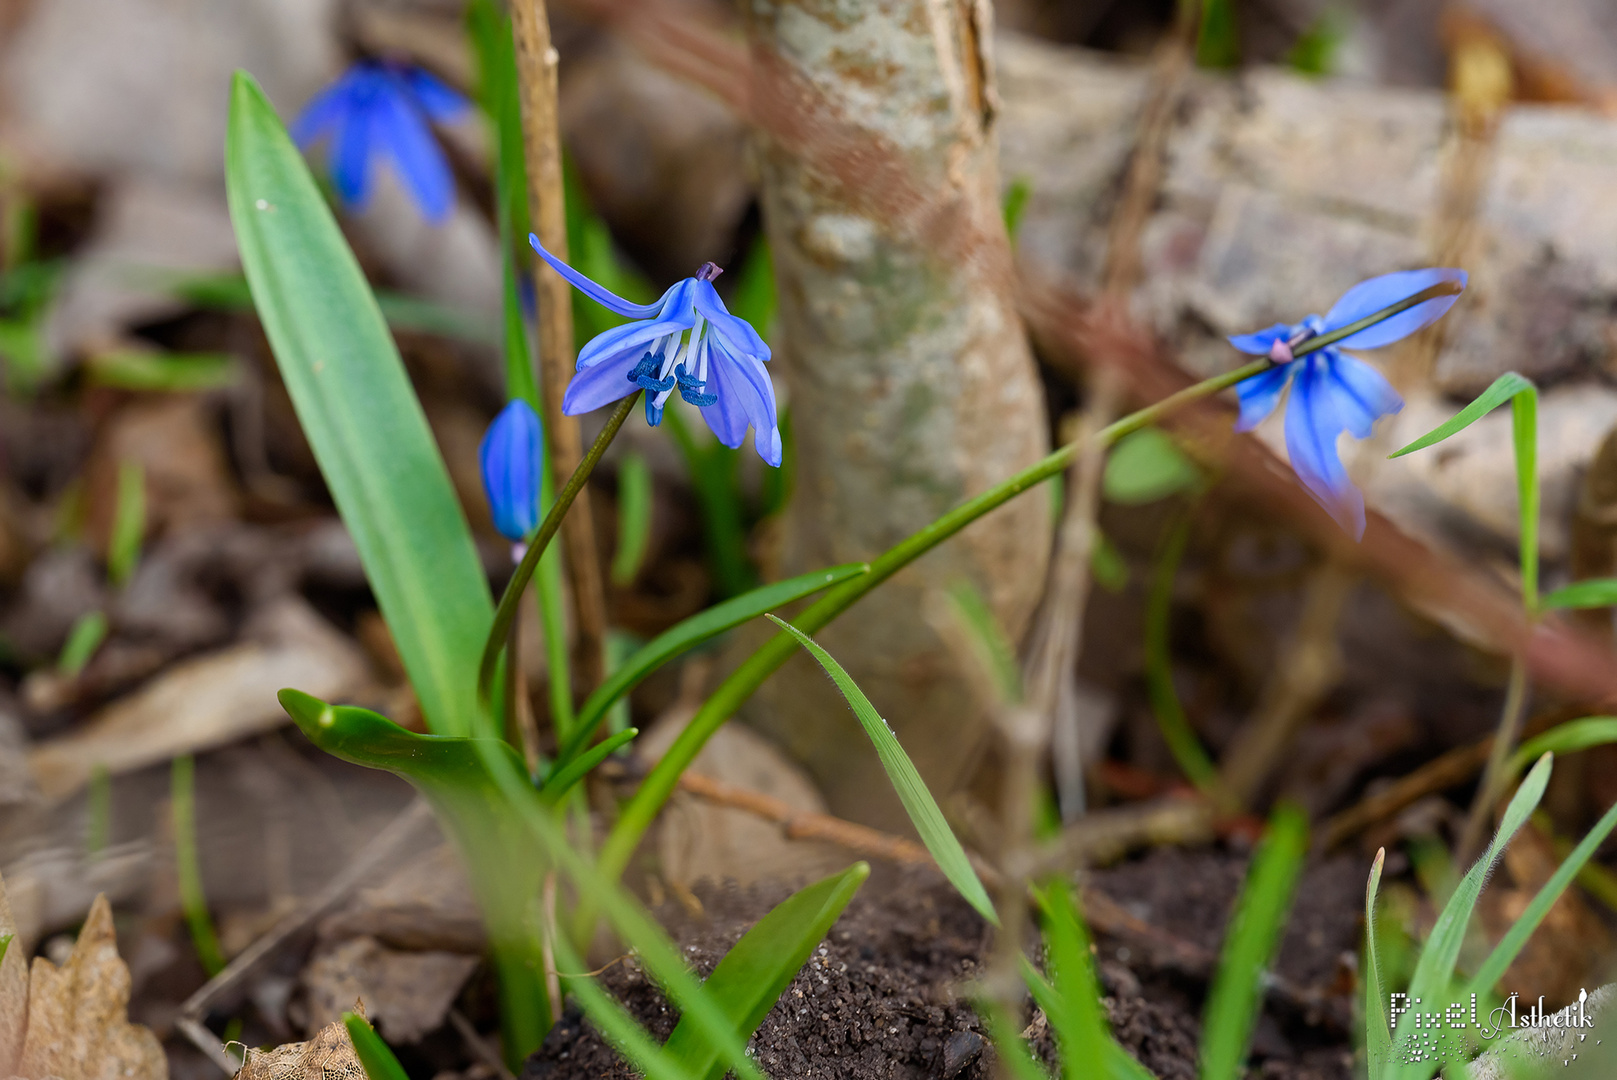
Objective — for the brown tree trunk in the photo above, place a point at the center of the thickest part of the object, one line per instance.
(910, 380)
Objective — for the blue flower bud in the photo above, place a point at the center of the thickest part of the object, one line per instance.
(513, 457)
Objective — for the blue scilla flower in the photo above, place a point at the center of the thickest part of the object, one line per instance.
(513, 458)
(685, 342)
(1333, 392)
(379, 109)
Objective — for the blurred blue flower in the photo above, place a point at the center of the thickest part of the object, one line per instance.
(1333, 392)
(513, 458)
(379, 109)
(687, 342)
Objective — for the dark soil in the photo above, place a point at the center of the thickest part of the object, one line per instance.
(882, 996)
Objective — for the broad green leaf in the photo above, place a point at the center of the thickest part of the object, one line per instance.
(1145, 466)
(1435, 968)
(993, 649)
(373, 1053)
(359, 413)
(1077, 1020)
(912, 791)
(1250, 944)
(1377, 1038)
(758, 968)
(1493, 969)
(1593, 593)
(1106, 564)
(1567, 738)
(690, 633)
(634, 518)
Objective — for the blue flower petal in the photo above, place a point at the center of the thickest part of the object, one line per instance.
(1359, 394)
(351, 156)
(601, 384)
(1258, 344)
(606, 298)
(737, 333)
(1369, 297)
(323, 112)
(1311, 432)
(437, 99)
(512, 458)
(743, 386)
(630, 338)
(1260, 394)
(402, 131)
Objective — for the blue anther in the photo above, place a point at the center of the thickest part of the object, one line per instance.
(690, 388)
(644, 375)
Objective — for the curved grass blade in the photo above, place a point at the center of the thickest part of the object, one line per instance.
(621, 1030)
(758, 968)
(634, 518)
(912, 791)
(1435, 968)
(1175, 726)
(1567, 738)
(373, 1053)
(357, 408)
(1523, 398)
(1593, 593)
(1493, 968)
(1007, 1037)
(1077, 1019)
(562, 780)
(1250, 944)
(687, 635)
(987, 640)
(1377, 1037)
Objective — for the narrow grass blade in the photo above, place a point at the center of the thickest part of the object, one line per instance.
(690, 633)
(1567, 738)
(912, 791)
(1079, 1024)
(1516, 937)
(1250, 945)
(1012, 1050)
(163, 372)
(88, 632)
(128, 523)
(712, 469)
(361, 416)
(1524, 436)
(1502, 390)
(1592, 593)
(562, 780)
(1175, 726)
(634, 518)
(758, 968)
(1377, 1036)
(1435, 968)
(182, 800)
(620, 1029)
(373, 1053)
(98, 811)
(1014, 205)
(988, 640)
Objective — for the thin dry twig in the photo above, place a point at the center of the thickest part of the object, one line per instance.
(537, 62)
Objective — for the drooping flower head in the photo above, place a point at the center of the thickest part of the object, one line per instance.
(685, 342)
(385, 110)
(1332, 392)
(513, 460)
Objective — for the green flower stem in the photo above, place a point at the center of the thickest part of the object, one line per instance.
(660, 782)
(506, 612)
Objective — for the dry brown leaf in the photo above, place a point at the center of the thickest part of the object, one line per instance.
(78, 1026)
(207, 702)
(328, 1056)
(13, 990)
(410, 993)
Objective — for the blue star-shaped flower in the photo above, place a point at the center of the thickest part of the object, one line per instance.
(686, 342)
(1334, 392)
(378, 110)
